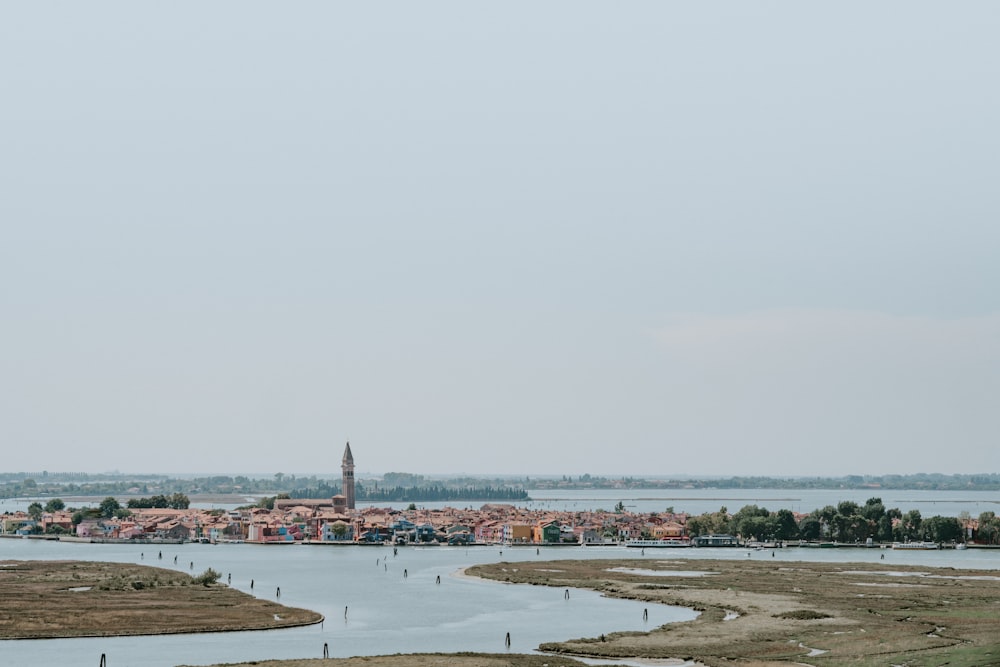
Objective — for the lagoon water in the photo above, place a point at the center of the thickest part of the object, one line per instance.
(390, 613)
(386, 613)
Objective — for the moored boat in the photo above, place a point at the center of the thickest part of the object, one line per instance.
(657, 544)
(915, 546)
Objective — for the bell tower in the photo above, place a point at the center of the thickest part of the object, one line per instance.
(347, 483)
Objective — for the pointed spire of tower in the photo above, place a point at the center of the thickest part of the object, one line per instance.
(347, 467)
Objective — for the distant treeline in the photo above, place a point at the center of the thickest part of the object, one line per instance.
(916, 482)
(48, 484)
(428, 494)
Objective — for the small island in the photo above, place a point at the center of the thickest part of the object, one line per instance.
(55, 599)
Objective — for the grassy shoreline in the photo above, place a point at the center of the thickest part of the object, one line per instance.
(61, 599)
(753, 613)
(760, 613)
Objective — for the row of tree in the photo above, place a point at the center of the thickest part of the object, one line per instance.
(108, 508)
(177, 501)
(427, 494)
(846, 522)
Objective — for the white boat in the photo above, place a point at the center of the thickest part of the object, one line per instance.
(915, 546)
(657, 544)
(961, 546)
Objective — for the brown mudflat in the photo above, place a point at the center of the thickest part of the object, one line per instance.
(760, 612)
(46, 599)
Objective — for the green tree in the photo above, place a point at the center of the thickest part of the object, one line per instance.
(941, 529)
(884, 530)
(785, 526)
(619, 507)
(989, 528)
(109, 506)
(35, 511)
(749, 522)
(810, 528)
(873, 510)
(908, 527)
(55, 505)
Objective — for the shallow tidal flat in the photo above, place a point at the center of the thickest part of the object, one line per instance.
(47, 599)
(760, 612)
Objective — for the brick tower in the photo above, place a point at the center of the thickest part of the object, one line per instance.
(347, 484)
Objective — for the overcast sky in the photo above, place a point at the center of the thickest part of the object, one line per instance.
(646, 238)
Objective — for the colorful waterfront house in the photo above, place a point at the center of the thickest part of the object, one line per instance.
(489, 532)
(64, 520)
(546, 533)
(425, 533)
(27, 527)
(90, 528)
(404, 531)
(591, 536)
(374, 533)
(669, 530)
(517, 533)
(173, 530)
(629, 532)
(459, 537)
(459, 534)
(337, 531)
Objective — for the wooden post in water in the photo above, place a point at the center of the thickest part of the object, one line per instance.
(326, 650)
(507, 640)
(104, 660)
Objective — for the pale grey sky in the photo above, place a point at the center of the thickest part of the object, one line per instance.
(565, 237)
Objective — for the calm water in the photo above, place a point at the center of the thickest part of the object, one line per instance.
(387, 613)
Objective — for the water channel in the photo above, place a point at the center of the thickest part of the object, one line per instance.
(387, 612)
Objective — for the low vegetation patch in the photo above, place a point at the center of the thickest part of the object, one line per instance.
(424, 659)
(802, 615)
(47, 599)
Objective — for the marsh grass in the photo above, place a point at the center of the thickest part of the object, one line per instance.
(47, 599)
